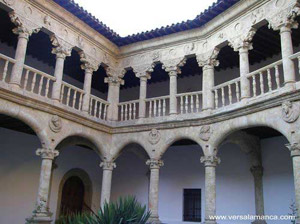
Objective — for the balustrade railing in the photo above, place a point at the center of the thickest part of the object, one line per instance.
(227, 93)
(71, 96)
(296, 58)
(6, 63)
(189, 102)
(266, 79)
(98, 108)
(128, 110)
(158, 106)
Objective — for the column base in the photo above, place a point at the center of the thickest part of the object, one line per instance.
(154, 220)
(40, 218)
(259, 222)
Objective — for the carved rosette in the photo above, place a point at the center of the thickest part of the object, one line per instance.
(89, 64)
(294, 149)
(210, 161)
(108, 165)
(154, 136)
(290, 111)
(46, 153)
(61, 49)
(205, 132)
(155, 163)
(243, 41)
(208, 59)
(55, 124)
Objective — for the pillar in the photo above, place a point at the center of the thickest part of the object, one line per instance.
(295, 154)
(173, 92)
(58, 74)
(208, 83)
(143, 96)
(257, 172)
(106, 181)
(154, 165)
(210, 163)
(41, 214)
(244, 71)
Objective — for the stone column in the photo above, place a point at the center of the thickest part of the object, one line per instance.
(61, 50)
(89, 66)
(257, 172)
(114, 81)
(210, 163)
(41, 214)
(295, 154)
(106, 181)
(24, 31)
(143, 95)
(173, 91)
(154, 165)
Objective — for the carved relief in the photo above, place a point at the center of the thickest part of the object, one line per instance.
(28, 10)
(243, 40)
(24, 26)
(257, 15)
(55, 124)
(47, 153)
(80, 42)
(154, 136)
(205, 132)
(47, 20)
(279, 3)
(209, 58)
(190, 48)
(154, 163)
(210, 160)
(9, 2)
(290, 112)
(156, 56)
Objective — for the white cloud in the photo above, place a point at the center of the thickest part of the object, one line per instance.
(132, 16)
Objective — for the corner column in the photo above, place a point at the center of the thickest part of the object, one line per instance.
(143, 95)
(108, 167)
(210, 163)
(295, 154)
(41, 214)
(154, 165)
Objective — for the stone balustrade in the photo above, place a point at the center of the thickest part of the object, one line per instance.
(157, 106)
(190, 102)
(129, 110)
(98, 108)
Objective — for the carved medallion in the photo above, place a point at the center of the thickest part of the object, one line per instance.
(47, 20)
(189, 48)
(205, 132)
(154, 136)
(290, 111)
(55, 124)
(9, 2)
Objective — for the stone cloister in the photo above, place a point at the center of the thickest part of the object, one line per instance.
(231, 76)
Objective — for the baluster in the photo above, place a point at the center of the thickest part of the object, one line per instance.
(299, 65)
(40, 85)
(33, 82)
(134, 111)
(229, 94)
(95, 108)
(261, 80)
(277, 76)
(164, 107)
(150, 108)
(62, 93)
(105, 112)
(216, 99)
(186, 103)
(223, 97)
(154, 108)
(181, 104)
(26, 79)
(100, 110)
(197, 103)
(159, 107)
(237, 91)
(91, 106)
(126, 112)
(130, 111)
(47, 87)
(192, 103)
(74, 98)
(80, 101)
(254, 85)
(5, 70)
(269, 79)
(122, 113)
(68, 95)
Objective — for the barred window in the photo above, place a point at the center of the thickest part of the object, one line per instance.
(192, 205)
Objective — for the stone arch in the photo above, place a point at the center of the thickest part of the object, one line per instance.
(88, 187)
(30, 120)
(120, 149)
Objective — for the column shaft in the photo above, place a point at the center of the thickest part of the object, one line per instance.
(210, 194)
(296, 169)
(286, 51)
(208, 83)
(87, 90)
(58, 73)
(17, 70)
(113, 98)
(106, 186)
(143, 95)
(173, 92)
(153, 192)
(244, 71)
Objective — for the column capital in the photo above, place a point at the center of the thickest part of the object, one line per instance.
(208, 60)
(210, 161)
(173, 66)
(115, 76)
(257, 170)
(89, 64)
(24, 28)
(108, 165)
(47, 153)
(143, 71)
(242, 43)
(154, 163)
(62, 49)
(294, 149)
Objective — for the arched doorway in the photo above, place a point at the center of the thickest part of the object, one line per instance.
(72, 199)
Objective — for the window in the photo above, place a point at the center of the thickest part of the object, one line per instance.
(192, 205)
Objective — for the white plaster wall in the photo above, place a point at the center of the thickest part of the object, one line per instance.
(20, 169)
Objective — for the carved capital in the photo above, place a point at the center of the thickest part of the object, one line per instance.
(243, 41)
(210, 161)
(62, 49)
(154, 163)
(294, 149)
(89, 64)
(47, 153)
(143, 71)
(208, 59)
(24, 28)
(173, 66)
(285, 19)
(113, 80)
(108, 165)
